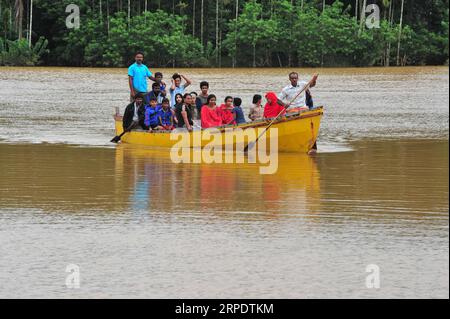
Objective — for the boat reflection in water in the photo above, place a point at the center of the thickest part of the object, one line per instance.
(158, 185)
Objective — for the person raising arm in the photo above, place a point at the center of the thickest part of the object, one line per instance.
(289, 95)
(177, 86)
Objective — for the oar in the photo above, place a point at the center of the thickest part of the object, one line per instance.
(252, 144)
(119, 137)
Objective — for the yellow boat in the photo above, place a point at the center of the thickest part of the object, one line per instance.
(295, 132)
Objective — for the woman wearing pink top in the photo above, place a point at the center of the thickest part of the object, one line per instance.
(211, 115)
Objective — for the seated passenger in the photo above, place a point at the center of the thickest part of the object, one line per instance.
(166, 116)
(151, 116)
(274, 106)
(202, 99)
(256, 111)
(183, 111)
(237, 111)
(226, 111)
(155, 93)
(194, 110)
(134, 114)
(211, 115)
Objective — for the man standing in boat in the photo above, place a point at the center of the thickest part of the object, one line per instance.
(304, 100)
(138, 73)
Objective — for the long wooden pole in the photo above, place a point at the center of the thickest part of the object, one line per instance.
(251, 145)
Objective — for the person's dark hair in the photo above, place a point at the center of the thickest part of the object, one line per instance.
(293, 73)
(257, 98)
(139, 52)
(158, 74)
(194, 93)
(176, 76)
(204, 83)
(156, 85)
(210, 97)
(228, 97)
(139, 96)
(186, 95)
(179, 95)
(165, 101)
(237, 101)
(153, 99)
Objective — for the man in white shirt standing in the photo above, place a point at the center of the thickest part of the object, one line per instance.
(291, 91)
(301, 102)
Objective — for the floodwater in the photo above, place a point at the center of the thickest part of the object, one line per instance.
(138, 225)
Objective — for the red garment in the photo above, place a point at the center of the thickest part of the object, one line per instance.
(227, 115)
(273, 109)
(211, 117)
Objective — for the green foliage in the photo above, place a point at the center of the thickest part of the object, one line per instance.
(19, 53)
(161, 36)
(251, 31)
(265, 33)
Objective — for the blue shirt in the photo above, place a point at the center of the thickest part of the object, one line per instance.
(151, 116)
(173, 93)
(152, 94)
(166, 116)
(240, 118)
(140, 73)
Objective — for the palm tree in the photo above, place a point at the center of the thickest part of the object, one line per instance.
(217, 31)
(386, 5)
(235, 35)
(19, 17)
(31, 24)
(202, 27)
(363, 17)
(129, 13)
(193, 18)
(400, 33)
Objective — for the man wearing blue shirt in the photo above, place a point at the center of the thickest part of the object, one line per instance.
(137, 76)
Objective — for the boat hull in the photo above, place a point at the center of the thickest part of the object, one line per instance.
(295, 133)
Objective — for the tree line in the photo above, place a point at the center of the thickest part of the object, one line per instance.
(225, 33)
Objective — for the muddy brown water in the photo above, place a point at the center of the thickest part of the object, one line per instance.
(138, 225)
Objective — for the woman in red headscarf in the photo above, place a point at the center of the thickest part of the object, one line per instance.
(274, 106)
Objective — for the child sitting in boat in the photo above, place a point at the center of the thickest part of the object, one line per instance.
(166, 116)
(238, 112)
(151, 116)
(256, 111)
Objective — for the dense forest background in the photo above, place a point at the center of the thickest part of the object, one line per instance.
(224, 33)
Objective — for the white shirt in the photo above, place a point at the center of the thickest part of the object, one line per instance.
(136, 116)
(290, 92)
